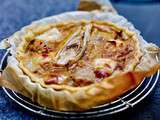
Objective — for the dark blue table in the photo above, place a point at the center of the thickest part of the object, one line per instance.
(15, 14)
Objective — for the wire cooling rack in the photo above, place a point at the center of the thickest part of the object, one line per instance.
(122, 103)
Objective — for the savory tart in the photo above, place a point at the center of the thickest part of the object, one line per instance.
(76, 65)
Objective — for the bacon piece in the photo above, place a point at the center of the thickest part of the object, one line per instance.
(45, 55)
(31, 42)
(53, 80)
(101, 73)
(82, 82)
(113, 42)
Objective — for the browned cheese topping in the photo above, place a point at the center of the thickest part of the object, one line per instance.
(79, 54)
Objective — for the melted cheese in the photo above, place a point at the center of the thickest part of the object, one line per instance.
(85, 73)
(33, 63)
(51, 35)
(101, 63)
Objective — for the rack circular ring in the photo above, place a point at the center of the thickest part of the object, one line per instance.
(124, 102)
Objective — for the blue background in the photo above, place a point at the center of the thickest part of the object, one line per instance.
(15, 14)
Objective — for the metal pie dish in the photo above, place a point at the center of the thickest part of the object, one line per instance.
(126, 101)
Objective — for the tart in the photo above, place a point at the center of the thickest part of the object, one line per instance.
(77, 64)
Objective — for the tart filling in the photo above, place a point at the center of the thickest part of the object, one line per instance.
(78, 53)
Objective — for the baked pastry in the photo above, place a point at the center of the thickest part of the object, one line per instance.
(77, 64)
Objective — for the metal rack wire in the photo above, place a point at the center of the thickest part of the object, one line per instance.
(124, 102)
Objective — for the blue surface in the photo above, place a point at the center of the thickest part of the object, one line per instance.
(15, 14)
(145, 18)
